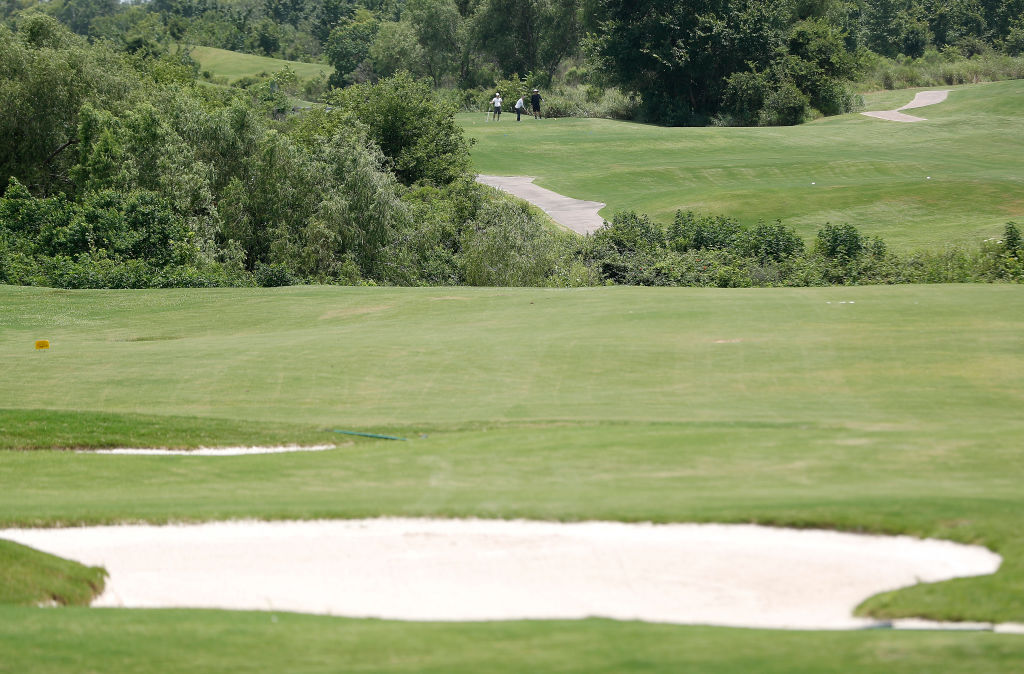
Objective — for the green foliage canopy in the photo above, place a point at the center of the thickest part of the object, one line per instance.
(415, 131)
(678, 55)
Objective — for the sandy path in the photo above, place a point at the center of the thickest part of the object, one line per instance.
(575, 214)
(922, 99)
(419, 569)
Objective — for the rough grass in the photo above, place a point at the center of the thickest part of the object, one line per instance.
(867, 172)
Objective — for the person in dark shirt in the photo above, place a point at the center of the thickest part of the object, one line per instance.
(535, 103)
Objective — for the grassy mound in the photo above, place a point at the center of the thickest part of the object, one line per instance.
(954, 179)
(29, 577)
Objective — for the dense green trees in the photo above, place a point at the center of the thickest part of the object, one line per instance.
(747, 61)
(349, 45)
(418, 135)
(679, 55)
(681, 62)
(121, 171)
(118, 169)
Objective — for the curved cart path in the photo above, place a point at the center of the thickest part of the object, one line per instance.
(922, 99)
(460, 570)
(576, 214)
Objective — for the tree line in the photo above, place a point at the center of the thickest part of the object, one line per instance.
(122, 170)
(684, 62)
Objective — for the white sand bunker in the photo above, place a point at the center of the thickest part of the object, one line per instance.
(419, 569)
(922, 99)
(210, 451)
(576, 214)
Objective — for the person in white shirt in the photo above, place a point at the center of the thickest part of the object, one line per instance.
(520, 107)
(496, 102)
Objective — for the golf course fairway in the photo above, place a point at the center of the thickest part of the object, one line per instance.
(956, 178)
(877, 409)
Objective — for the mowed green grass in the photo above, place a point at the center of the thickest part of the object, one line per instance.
(103, 640)
(236, 65)
(848, 169)
(886, 409)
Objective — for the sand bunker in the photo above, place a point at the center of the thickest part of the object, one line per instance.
(922, 99)
(420, 569)
(211, 451)
(575, 214)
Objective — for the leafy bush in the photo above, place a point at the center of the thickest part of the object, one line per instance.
(1012, 239)
(839, 242)
(744, 97)
(414, 130)
(689, 231)
(509, 246)
(785, 105)
(273, 275)
(633, 250)
(769, 242)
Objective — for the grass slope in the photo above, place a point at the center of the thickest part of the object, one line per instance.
(77, 640)
(31, 577)
(236, 65)
(58, 429)
(867, 172)
(892, 409)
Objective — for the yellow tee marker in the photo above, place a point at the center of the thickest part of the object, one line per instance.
(42, 344)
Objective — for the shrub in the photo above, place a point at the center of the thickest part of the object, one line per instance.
(273, 275)
(630, 232)
(832, 97)
(689, 231)
(839, 242)
(765, 242)
(784, 105)
(508, 246)
(1011, 239)
(745, 95)
(416, 131)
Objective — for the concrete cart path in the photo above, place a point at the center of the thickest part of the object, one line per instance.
(922, 99)
(576, 214)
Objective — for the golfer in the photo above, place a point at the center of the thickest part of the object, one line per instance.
(496, 102)
(535, 103)
(520, 106)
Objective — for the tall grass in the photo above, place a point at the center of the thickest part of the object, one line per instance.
(940, 69)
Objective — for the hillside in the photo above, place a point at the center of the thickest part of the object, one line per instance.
(233, 65)
(956, 178)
